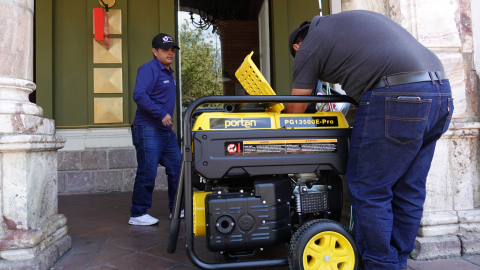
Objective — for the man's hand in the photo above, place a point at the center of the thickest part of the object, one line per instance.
(167, 120)
(298, 107)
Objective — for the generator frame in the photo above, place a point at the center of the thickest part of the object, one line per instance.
(185, 188)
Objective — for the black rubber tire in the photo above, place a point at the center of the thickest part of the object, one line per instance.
(310, 229)
(335, 196)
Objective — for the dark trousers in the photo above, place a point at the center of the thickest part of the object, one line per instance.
(391, 149)
(154, 146)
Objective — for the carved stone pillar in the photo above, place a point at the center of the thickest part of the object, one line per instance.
(33, 235)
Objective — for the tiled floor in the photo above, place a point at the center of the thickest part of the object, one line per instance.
(102, 238)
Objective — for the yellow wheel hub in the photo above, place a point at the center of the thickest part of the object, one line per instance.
(328, 251)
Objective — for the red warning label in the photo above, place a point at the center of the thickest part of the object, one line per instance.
(233, 148)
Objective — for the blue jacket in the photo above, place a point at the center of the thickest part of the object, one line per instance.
(154, 93)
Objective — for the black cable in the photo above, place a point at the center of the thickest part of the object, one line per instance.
(105, 5)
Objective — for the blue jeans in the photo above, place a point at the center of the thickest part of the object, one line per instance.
(391, 149)
(154, 146)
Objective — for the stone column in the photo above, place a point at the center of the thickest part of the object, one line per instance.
(450, 224)
(33, 235)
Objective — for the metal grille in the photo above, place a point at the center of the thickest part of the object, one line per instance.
(314, 202)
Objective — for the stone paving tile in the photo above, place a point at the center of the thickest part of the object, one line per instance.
(109, 253)
(87, 245)
(180, 255)
(73, 262)
(166, 228)
(103, 215)
(77, 211)
(450, 264)
(117, 205)
(117, 232)
(95, 202)
(136, 261)
(73, 221)
(141, 241)
(87, 228)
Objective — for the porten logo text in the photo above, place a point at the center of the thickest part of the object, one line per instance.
(240, 123)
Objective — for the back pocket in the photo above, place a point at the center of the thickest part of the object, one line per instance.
(405, 119)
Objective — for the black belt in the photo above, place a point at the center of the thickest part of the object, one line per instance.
(411, 77)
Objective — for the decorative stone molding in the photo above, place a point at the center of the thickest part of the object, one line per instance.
(95, 138)
(31, 143)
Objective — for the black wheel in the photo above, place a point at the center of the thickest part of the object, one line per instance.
(323, 244)
(335, 196)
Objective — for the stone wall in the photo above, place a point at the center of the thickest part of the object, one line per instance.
(100, 170)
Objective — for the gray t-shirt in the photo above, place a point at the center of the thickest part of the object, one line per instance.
(356, 48)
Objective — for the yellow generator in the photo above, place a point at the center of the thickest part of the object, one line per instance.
(264, 178)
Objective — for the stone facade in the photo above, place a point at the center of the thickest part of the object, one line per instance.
(100, 170)
(33, 234)
(450, 224)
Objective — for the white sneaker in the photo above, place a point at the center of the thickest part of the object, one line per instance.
(144, 220)
(151, 218)
(182, 215)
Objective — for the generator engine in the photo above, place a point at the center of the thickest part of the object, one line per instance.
(252, 219)
(311, 195)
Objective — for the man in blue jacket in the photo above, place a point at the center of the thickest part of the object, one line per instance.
(152, 129)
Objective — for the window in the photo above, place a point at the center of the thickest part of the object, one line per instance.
(215, 36)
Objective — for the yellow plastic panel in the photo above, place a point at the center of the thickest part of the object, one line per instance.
(199, 228)
(254, 83)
